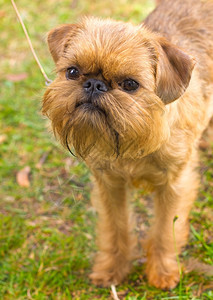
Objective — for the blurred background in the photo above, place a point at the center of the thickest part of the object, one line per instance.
(47, 225)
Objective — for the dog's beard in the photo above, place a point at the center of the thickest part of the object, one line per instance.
(111, 126)
(106, 129)
(89, 131)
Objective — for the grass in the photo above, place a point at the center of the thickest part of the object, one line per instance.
(47, 230)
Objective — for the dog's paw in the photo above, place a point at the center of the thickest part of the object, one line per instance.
(104, 279)
(161, 267)
(163, 281)
(109, 270)
(162, 273)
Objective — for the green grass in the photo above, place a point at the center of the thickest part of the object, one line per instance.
(47, 230)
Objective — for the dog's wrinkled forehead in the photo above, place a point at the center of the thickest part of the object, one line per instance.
(96, 45)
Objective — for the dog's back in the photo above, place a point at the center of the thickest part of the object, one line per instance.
(188, 24)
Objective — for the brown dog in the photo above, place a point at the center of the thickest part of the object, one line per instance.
(127, 99)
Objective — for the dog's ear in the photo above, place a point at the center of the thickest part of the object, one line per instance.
(58, 37)
(173, 73)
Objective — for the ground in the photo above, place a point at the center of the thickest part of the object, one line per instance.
(47, 229)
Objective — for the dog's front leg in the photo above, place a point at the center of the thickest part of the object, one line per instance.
(173, 199)
(112, 262)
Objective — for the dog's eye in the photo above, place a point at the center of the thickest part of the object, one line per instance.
(72, 73)
(129, 85)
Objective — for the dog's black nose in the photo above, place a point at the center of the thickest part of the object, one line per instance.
(95, 86)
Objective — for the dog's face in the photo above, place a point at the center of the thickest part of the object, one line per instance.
(113, 83)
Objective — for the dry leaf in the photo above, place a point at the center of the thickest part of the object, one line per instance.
(16, 77)
(3, 138)
(2, 13)
(22, 177)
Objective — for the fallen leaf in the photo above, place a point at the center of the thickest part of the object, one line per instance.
(2, 13)
(22, 177)
(3, 138)
(16, 77)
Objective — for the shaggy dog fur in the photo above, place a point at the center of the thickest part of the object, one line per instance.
(133, 101)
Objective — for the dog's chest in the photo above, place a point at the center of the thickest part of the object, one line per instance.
(144, 174)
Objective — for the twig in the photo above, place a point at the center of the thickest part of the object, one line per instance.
(114, 293)
(48, 81)
(42, 160)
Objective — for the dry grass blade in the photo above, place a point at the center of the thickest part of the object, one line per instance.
(114, 293)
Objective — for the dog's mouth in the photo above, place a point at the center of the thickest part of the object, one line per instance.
(89, 126)
(90, 107)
